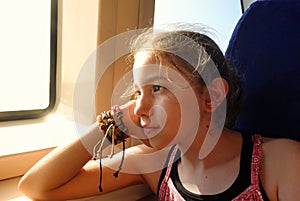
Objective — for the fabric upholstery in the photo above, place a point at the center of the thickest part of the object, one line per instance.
(265, 50)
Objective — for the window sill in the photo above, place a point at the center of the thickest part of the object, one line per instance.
(24, 142)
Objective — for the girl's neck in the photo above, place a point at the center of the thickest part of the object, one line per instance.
(228, 146)
(222, 165)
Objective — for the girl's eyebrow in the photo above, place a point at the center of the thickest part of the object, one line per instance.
(151, 80)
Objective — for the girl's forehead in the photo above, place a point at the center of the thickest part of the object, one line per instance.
(144, 57)
(146, 72)
(147, 69)
(146, 64)
(153, 58)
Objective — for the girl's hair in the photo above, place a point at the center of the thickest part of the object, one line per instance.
(199, 55)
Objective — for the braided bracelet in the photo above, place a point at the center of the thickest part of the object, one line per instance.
(115, 131)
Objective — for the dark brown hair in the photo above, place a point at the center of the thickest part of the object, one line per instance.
(193, 51)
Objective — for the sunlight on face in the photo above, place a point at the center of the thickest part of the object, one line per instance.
(162, 96)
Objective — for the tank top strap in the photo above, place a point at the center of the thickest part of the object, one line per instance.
(256, 156)
(170, 163)
(253, 192)
(167, 191)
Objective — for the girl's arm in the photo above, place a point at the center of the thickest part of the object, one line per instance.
(66, 174)
(289, 175)
(281, 169)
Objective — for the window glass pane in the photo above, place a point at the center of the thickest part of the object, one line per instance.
(25, 70)
(221, 16)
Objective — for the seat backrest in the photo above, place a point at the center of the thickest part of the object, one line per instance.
(265, 50)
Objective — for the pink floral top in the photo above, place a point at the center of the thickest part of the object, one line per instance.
(168, 191)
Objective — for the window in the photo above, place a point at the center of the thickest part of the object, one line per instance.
(28, 58)
(221, 16)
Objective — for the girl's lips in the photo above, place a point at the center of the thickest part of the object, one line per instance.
(150, 130)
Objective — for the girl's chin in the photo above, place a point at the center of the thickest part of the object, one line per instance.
(146, 142)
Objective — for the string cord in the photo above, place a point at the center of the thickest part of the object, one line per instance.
(116, 174)
(115, 136)
(98, 154)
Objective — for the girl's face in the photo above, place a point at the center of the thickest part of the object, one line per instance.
(157, 107)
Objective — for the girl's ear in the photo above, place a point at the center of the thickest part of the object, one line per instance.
(216, 92)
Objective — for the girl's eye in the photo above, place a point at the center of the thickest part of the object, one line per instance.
(157, 88)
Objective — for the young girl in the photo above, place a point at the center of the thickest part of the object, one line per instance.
(186, 98)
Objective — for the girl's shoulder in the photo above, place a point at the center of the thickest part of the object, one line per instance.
(280, 146)
(280, 150)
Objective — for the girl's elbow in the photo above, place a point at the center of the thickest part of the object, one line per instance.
(31, 190)
(23, 186)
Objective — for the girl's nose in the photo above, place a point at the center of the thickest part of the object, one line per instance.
(143, 106)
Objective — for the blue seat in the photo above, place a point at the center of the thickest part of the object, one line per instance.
(265, 50)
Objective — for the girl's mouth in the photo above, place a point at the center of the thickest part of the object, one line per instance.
(151, 131)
